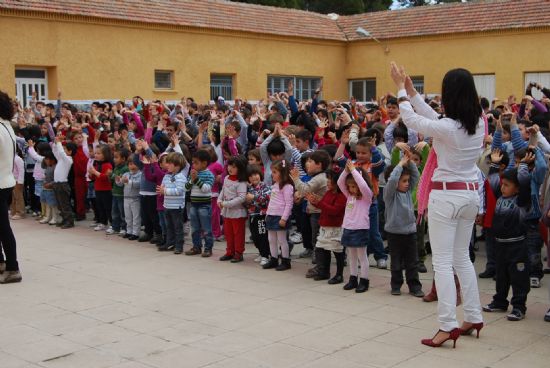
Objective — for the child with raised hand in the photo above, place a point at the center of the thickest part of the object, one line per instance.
(276, 147)
(173, 190)
(355, 235)
(100, 173)
(217, 170)
(231, 200)
(200, 185)
(47, 198)
(257, 200)
(64, 156)
(316, 165)
(401, 224)
(278, 213)
(332, 206)
(510, 233)
(120, 159)
(132, 207)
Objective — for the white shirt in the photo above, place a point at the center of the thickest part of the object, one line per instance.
(7, 153)
(457, 152)
(64, 163)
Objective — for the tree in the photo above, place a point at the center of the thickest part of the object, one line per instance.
(412, 3)
(343, 7)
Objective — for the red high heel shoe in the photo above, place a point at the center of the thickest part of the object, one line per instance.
(454, 334)
(475, 326)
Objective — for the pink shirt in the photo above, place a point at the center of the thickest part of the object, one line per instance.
(217, 169)
(357, 210)
(281, 201)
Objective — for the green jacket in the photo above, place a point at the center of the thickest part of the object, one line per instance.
(118, 189)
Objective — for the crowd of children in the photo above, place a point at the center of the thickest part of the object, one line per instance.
(344, 174)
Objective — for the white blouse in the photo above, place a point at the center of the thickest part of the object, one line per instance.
(457, 152)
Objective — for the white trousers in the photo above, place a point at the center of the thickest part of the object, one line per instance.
(133, 215)
(451, 216)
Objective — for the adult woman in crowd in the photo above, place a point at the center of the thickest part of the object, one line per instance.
(453, 200)
(9, 268)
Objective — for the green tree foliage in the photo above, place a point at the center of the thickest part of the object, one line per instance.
(343, 7)
(411, 3)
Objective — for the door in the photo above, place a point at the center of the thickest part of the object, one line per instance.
(28, 81)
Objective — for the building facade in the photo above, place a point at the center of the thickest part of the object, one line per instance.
(169, 49)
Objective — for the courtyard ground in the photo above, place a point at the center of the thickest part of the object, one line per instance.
(88, 300)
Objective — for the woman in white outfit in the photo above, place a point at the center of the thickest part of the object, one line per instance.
(454, 199)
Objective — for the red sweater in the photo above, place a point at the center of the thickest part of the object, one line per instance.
(333, 207)
(103, 181)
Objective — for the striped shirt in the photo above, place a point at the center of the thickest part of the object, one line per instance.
(201, 187)
(174, 191)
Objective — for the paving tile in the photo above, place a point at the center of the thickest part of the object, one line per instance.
(323, 341)
(89, 358)
(276, 329)
(188, 332)
(10, 361)
(138, 346)
(183, 356)
(280, 355)
(377, 354)
(44, 349)
(231, 343)
(99, 335)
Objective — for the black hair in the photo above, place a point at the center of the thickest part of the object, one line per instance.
(333, 176)
(255, 153)
(240, 162)
(321, 157)
(123, 152)
(48, 155)
(484, 102)
(253, 170)
(202, 155)
(7, 109)
(71, 146)
(330, 149)
(374, 132)
(42, 147)
(389, 170)
(401, 131)
(304, 135)
(51, 106)
(460, 99)
(276, 147)
(511, 175)
(392, 101)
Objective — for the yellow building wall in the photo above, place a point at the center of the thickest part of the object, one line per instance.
(507, 55)
(100, 61)
(90, 61)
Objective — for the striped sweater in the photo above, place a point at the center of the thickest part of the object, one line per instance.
(201, 187)
(174, 190)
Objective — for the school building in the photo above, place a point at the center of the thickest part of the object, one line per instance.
(166, 49)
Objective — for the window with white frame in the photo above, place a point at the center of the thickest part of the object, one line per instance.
(418, 83)
(363, 89)
(164, 79)
(221, 85)
(304, 87)
(485, 85)
(542, 78)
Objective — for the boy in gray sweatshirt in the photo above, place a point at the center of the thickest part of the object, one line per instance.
(132, 209)
(401, 225)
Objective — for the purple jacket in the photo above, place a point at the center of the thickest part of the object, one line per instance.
(155, 174)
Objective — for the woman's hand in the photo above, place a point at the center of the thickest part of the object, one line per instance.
(398, 75)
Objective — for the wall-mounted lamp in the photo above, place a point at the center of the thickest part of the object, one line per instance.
(364, 33)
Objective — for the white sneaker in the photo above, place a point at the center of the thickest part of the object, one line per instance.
(122, 232)
(264, 261)
(535, 282)
(296, 238)
(99, 227)
(94, 224)
(381, 263)
(110, 231)
(258, 259)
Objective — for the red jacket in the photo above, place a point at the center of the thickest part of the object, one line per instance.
(80, 162)
(333, 207)
(103, 181)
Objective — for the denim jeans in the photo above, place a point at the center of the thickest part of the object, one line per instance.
(534, 246)
(174, 227)
(117, 213)
(201, 225)
(375, 244)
